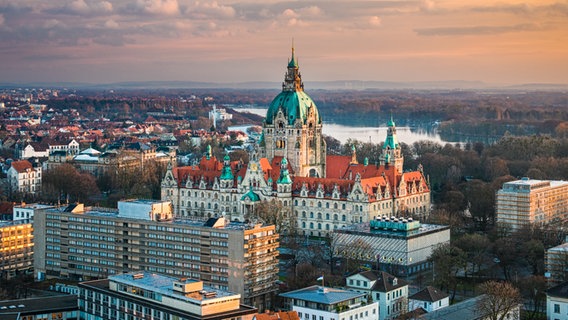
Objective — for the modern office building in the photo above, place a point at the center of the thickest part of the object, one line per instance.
(317, 303)
(397, 245)
(16, 247)
(59, 307)
(84, 243)
(524, 202)
(145, 295)
(290, 165)
(389, 291)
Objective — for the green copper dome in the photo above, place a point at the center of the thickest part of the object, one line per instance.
(294, 104)
(293, 101)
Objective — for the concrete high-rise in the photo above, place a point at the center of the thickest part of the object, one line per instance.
(84, 243)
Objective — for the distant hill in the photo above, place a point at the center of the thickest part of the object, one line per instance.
(326, 85)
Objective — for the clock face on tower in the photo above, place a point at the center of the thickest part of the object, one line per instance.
(253, 166)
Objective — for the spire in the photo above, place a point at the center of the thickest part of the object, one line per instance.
(284, 174)
(208, 153)
(293, 63)
(353, 155)
(227, 173)
(293, 79)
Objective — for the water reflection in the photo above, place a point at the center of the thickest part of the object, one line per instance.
(346, 129)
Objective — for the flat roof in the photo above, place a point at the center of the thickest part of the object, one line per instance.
(323, 295)
(33, 206)
(164, 285)
(94, 212)
(365, 229)
(8, 223)
(47, 304)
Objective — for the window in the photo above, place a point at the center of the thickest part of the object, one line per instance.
(556, 308)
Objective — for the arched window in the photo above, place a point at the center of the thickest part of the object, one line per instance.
(343, 206)
(319, 226)
(303, 203)
(335, 206)
(303, 214)
(311, 215)
(319, 215)
(327, 216)
(319, 204)
(303, 225)
(327, 226)
(343, 218)
(295, 202)
(311, 225)
(327, 205)
(335, 217)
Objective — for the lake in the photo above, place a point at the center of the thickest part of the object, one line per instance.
(343, 132)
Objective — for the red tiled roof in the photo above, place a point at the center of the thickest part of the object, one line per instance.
(22, 165)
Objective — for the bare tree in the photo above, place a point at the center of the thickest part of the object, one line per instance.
(500, 301)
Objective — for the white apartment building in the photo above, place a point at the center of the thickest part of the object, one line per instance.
(24, 177)
(323, 303)
(390, 292)
(25, 211)
(523, 202)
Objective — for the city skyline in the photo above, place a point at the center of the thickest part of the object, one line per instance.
(94, 41)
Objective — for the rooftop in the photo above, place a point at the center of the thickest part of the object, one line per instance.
(165, 285)
(95, 212)
(365, 229)
(323, 295)
(38, 305)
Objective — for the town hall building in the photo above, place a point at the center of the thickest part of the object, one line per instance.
(290, 165)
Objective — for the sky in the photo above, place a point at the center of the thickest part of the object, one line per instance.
(106, 41)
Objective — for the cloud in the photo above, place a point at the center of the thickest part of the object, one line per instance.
(158, 7)
(213, 10)
(375, 21)
(1, 19)
(83, 7)
(111, 24)
(475, 30)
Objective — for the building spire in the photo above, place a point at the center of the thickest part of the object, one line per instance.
(293, 63)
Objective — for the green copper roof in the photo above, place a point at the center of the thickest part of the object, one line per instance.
(284, 174)
(251, 195)
(293, 63)
(294, 104)
(391, 141)
(227, 173)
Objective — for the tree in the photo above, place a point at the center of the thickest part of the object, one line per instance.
(533, 289)
(447, 261)
(500, 300)
(476, 246)
(274, 212)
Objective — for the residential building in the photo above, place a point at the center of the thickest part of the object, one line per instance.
(60, 307)
(557, 302)
(16, 247)
(25, 211)
(390, 292)
(524, 202)
(84, 243)
(469, 309)
(430, 299)
(24, 177)
(398, 245)
(556, 264)
(324, 303)
(290, 165)
(145, 295)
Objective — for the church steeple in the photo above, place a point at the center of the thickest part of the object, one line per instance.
(392, 154)
(293, 78)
